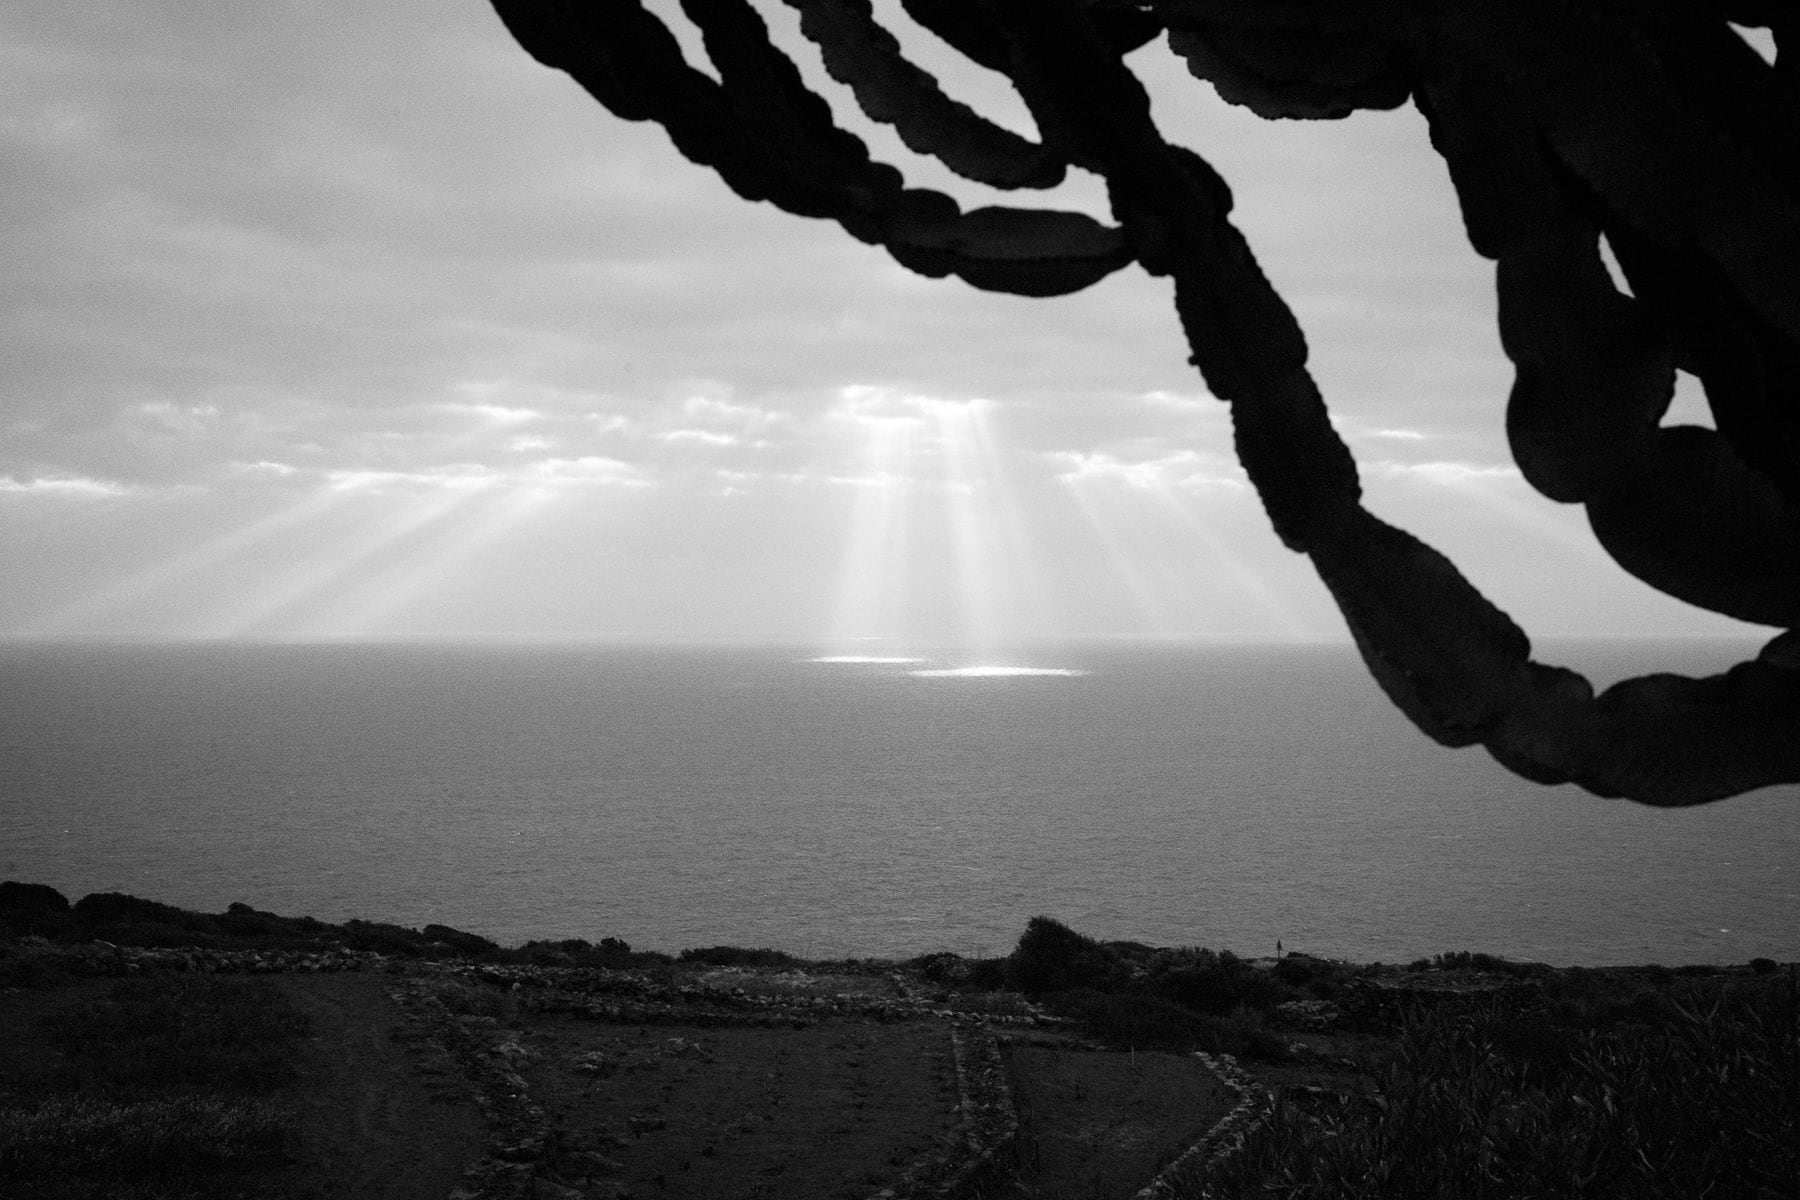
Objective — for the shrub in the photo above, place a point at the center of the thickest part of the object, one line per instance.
(472, 944)
(1143, 1021)
(737, 956)
(987, 974)
(1051, 957)
(1298, 970)
(1215, 983)
(383, 938)
(131, 921)
(1246, 1033)
(240, 920)
(33, 908)
(117, 907)
(943, 968)
(1763, 966)
(31, 899)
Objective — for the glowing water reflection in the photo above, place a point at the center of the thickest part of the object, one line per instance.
(988, 672)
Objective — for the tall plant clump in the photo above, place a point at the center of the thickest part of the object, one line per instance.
(1648, 122)
(1704, 1103)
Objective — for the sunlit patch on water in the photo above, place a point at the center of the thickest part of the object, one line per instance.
(988, 672)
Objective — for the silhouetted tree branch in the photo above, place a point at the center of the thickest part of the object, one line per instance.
(1647, 121)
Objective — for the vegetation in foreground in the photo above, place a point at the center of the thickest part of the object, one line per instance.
(1460, 1076)
(1509, 1102)
(162, 1088)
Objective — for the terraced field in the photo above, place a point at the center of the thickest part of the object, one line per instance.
(439, 1079)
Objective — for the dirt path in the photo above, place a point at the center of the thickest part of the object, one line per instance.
(381, 1119)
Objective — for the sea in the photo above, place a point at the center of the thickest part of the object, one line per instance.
(1173, 793)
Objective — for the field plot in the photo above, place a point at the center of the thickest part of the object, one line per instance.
(298, 1075)
(834, 1110)
(1094, 1125)
(280, 1087)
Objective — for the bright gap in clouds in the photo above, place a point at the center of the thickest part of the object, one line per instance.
(935, 546)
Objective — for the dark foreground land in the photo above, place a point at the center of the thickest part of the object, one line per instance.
(154, 1052)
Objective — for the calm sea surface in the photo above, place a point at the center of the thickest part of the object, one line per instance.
(1218, 796)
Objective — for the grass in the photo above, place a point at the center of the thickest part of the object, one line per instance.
(1464, 1075)
(1500, 1102)
(180, 1031)
(163, 1088)
(174, 1135)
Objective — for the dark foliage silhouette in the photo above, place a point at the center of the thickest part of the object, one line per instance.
(1650, 123)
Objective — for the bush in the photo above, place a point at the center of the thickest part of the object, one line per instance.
(1143, 1021)
(1051, 957)
(1150, 1022)
(1296, 970)
(1462, 960)
(33, 908)
(1246, 1033)
(987, 974)
(119, 908)
(31, 899)
(382, 938)
(943, 968)
(1763, 966)
(737, 956)
(472, 944)
(130, 921)
(1214, 983)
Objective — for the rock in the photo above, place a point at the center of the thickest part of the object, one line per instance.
(596, 1064)
(589, 1162)
(529, 1150)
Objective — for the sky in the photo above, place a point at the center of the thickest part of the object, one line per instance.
(330, 319)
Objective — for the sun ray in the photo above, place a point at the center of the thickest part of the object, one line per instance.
(436, 565)
(1501, 491)
(1122, 541)
(870, 605)
(274, 605)
(1002, 591)
(112, 605)
(1258, 602)
(1156, 522)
